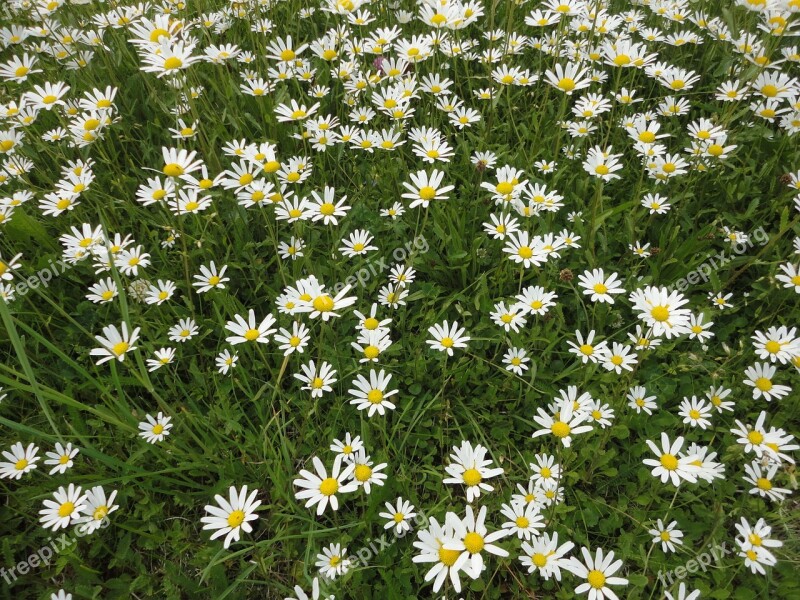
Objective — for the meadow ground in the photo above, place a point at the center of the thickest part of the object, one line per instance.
(399, 299)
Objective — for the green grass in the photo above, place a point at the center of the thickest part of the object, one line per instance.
(256, 427)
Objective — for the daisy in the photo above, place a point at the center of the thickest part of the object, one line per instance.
(515, 360)
(158, 294)
(598, 571)
(333, 561)
(536, 300)
(320, 489)
(524, 520)
(371, 394)
(371, 322)
(617, 358)
(226, 361)
(179, 162)
(669, 465)
(20, 459)
(470, 467)
(564, 424)
(717, 395)
(682, 594)
(777, 344)
(568, 79)
(210, 278)
(759, 376)
(698, 329)
(371, 344)
(790, 276)
(425, 187)
(115, 343)
(472, 538)
(446, 337)
(61, 458)
(293, 341)
(508, 318)
(248, 331)
(600, 287)
(365, 473)
(602, 163)
(640, 401)
(754, 545)
(346, 450)
(661, 310)
(544, 555)
(393, 212)
(398, 516)
(96, 510)
(720, 301)
(524, 249)
(231, 516)
(185, 330)
(668, 536)
(431, 545)
(317, 382)
(154, 430)
(357, 244)
(64, 509)
(761, 478)
(696, 413)
(164, 356)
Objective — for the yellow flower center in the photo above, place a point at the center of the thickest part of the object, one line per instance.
(522, 522)
(120, 348)
(172, 63)
(236, 518)
(763, 483)
(539, 559)
(472, 477)
(371, 352)
(66, 509)
(21, 464)
(363, 473)
(447, 342)
(427, 192)
(755, 437)
(173, 170)
(763, 384)
(660, 313)
(375, 396)
(329, 486)
(323, 303)
(567, 84)
(648, 137)
(448, 557)
(596, 579)
(560, 429)
(251, 334)
(473, 542)
(669, 462)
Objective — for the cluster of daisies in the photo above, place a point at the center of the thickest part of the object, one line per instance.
(395, 96)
